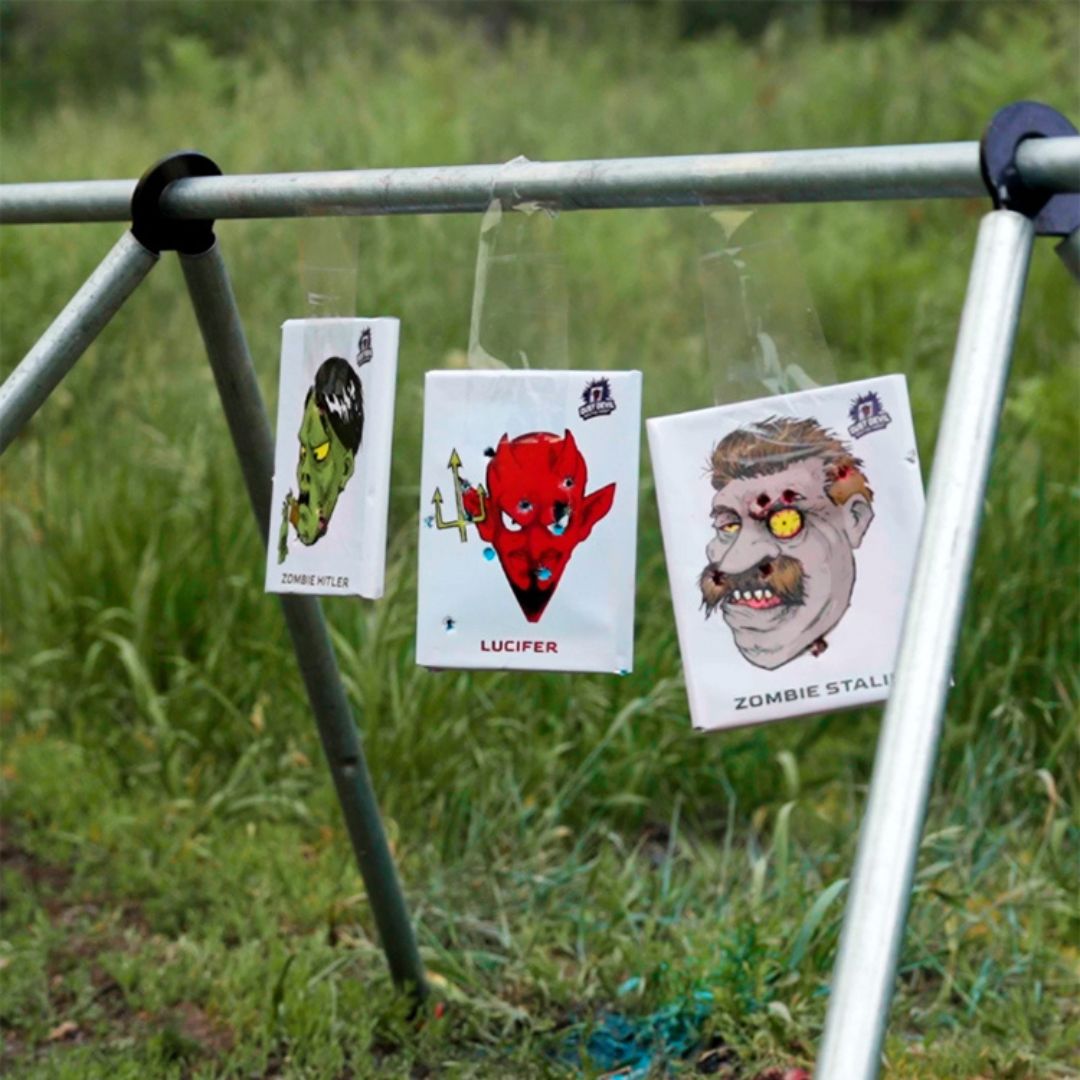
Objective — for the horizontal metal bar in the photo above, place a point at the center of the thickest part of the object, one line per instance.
(809, 176)
(1053, 164)
(66, 201)
(85, 316)
(932, 170)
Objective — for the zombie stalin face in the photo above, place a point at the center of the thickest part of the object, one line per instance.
(791, 506)
(537, 512)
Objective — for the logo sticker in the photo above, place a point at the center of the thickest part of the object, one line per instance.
(597, 400)
(364, 351)
(867, 415)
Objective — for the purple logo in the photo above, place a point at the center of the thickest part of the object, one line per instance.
(597, 400)
(867, 414)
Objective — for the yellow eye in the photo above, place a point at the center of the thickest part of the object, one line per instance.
(321, 451)
(730, 527)
(784, 524)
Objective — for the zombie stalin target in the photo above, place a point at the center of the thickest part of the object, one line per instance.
(528, 520)
(790, 526)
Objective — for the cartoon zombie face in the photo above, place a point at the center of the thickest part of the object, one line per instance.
(791, 506)
(330, 433)
(537, 512)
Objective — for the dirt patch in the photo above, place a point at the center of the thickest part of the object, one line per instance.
(46, 880)
(197, 1027)
(12, 1048)
(93, 925)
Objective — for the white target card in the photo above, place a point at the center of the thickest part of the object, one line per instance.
(332, 457)
(528, 520)
(790, 526)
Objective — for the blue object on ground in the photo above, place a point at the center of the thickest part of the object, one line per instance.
(632, 1045)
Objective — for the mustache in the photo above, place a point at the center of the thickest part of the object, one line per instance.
(783, 575)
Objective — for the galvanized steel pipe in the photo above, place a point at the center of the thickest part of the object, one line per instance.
(880, 891)
(71, 332)
(934, 170)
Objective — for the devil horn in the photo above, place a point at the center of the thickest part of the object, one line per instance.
(508, 446)
(568, 455)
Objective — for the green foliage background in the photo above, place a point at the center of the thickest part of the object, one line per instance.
(556, 835)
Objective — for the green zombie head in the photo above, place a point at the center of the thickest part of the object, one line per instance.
(330, 434)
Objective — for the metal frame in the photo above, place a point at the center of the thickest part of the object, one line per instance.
(85, 316)
(907, 747)
(933, 170)
(884, 868)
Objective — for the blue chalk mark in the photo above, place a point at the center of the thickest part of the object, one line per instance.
(624, 671)
(429, 522)
(558, 530)
(489, 553)
(634, 1045)
(543, 574)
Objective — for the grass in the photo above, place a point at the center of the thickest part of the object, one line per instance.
(179, 896)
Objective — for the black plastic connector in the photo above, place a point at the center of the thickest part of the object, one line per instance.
(1053, 214)
(158, 233)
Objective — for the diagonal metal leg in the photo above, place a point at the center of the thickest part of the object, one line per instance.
(877, 907)
(1068, 251)
(86, 315)
(219, 321)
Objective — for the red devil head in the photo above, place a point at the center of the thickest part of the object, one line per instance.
(538, 512)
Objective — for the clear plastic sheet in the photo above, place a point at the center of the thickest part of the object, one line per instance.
(328, 265)
(762, 332)
(520, 302)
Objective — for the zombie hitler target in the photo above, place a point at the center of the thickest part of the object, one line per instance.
(528, 520)
(332, 457)
(790, 526)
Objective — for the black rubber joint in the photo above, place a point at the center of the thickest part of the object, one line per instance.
(159, 233)
(1053, 214)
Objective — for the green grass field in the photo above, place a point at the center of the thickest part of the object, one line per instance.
(179, 896)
